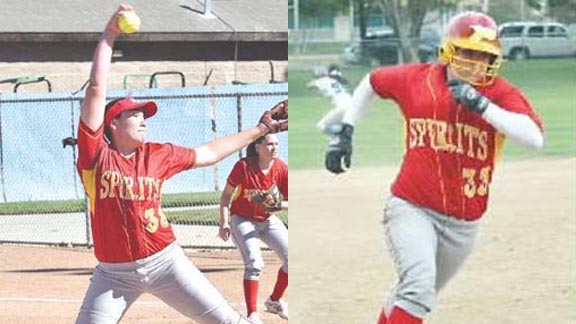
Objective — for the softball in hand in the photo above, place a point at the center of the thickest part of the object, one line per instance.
(129, 22)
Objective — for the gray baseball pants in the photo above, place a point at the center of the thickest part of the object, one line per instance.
(168, 275)
(428, 248)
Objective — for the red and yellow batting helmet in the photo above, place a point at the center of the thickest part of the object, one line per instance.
(472, 31)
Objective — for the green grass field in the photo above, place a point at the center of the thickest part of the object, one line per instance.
(192, 215)
(548, 84)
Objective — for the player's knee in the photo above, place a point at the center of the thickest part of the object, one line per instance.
(252, 272)
(222, 315)
(234, 318)
(418, 296)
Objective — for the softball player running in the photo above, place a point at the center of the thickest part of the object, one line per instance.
(334, 86)
(251, 223)
(123, 176)
(457, 114)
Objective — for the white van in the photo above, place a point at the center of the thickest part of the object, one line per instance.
(521, 40)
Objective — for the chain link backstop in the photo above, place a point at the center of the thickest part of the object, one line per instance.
(42, 200)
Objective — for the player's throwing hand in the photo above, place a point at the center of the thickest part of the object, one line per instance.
(339, 154)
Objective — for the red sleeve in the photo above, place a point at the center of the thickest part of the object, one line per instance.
(388, 81)
(237, 174)
(90, 143)
(513, 100)
(180, 159)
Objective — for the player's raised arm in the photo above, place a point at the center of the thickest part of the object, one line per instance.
(272, 121)
(92, 113)
(339, 153)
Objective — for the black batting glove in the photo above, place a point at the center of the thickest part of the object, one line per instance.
(468, 96)
(339, 153)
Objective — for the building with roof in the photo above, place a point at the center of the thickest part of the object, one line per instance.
(228, 40)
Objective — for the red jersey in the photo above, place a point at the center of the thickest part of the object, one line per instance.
(450, 151)
(124, 194)
(248, 179)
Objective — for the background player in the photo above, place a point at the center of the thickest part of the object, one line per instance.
(457, 115)
(250, 223)
(133, 241)
(334, 86)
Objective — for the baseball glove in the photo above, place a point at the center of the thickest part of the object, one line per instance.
(270, 200)
(280, 110)
(276, 119)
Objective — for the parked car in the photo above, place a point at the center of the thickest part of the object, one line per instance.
(382, 48)
(522, 40)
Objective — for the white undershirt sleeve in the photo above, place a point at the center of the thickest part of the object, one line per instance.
(363, 95)
(519, 127)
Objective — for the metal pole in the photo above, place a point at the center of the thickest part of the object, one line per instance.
(296, 15)
(73, 130)
(352, 33)
(239, 112)
(2, 160)
(214, 135)
(208, 9)
(87, 221)
(485, 6)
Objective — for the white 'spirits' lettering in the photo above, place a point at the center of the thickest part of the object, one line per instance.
(448, 137)
(113, 184)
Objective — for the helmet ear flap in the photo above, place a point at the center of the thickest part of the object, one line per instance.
(446, 53)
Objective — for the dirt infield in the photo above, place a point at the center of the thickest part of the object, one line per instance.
(46, 285)
(522, 270)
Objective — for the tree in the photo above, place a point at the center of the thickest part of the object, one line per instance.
(557, 10)
(562, 10)
(309, 13)
(311, 10)
(407, 18)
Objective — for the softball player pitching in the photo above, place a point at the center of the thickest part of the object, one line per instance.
(123, 176)
(334, 86)
(253, 219)
(457, 113)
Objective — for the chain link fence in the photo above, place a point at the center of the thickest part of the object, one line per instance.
(42, 199)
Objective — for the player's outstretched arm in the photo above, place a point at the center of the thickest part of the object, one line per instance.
(272, 121)
(339, 153)
(225, 199)
(363, 95)
(518, 127)
(216, 150)
(92, 113)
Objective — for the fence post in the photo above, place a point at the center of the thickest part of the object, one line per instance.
(73, 130)
(214, 135)
(2, 158)
(87, 221)
(239, 113)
